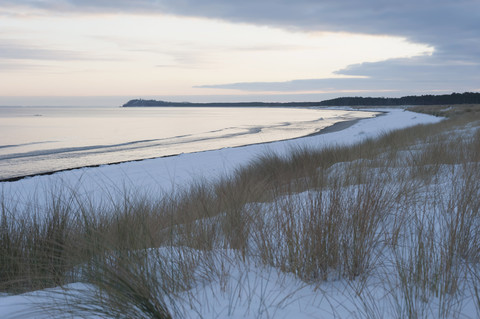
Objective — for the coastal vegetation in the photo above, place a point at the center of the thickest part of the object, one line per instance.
(396, 217)
(447, 99)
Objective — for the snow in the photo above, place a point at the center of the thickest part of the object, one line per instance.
(250, 290)
(167, 174)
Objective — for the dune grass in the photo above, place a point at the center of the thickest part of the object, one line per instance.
(406, 203)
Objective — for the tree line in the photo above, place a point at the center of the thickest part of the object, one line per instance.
(454, 98)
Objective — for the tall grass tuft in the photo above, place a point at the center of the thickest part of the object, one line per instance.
(35, 247)
(325, 233)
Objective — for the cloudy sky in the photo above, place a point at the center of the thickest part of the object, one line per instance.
(75, 52)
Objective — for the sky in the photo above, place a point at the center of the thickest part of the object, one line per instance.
(105, 52)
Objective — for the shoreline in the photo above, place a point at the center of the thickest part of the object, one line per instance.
(336, 127)
(168, 175)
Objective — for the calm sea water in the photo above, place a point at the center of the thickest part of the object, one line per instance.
(39, 140)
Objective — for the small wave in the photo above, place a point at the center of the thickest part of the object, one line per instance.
(64, 150)
(25, 144)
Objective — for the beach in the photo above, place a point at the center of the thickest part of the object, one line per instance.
(264, 230)
(69, 138)
(169, 174)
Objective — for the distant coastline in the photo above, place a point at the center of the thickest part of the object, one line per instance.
(446, 99)
(157, 103)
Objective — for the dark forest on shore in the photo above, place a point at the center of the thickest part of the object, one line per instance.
(454, 98)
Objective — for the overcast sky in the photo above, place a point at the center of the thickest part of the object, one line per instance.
(77, 52)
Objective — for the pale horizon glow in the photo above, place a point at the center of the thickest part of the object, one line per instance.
(155, 55)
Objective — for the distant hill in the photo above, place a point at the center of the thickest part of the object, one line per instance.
(454, 98)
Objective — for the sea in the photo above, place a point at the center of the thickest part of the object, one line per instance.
(39, 140)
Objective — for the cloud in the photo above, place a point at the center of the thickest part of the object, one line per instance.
(19, 66)
(419, 20)
(17, 51)
(417, 74)
(450, 26)
(22, 54)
